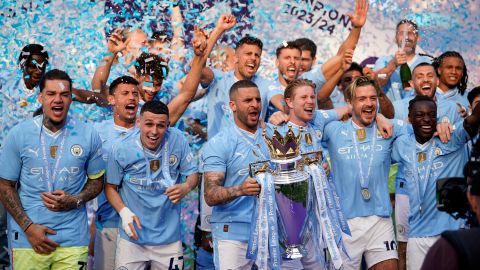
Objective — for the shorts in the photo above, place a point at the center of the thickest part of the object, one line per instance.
(417, 249)
(61, 258)
(230, 254)
(402, 210)
(105, 246)
(372, 237)
(132, 256)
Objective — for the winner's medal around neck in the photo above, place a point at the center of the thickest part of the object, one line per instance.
(366, 194)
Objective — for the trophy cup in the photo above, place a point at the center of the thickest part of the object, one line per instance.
(291, 183)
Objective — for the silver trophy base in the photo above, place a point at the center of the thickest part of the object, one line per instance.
(293, 252)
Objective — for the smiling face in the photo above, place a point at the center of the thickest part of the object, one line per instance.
(152, 129)
(288, 63)
(125, 103)
(149, 87)
(364, 105)
(451, 71)
(425, 81)
(34, 69)
(301, 105)
(423, 116)
(55, 98)
(247, 61)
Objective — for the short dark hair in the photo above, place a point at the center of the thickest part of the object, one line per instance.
(404, 21)
(30, 50)
(437, 62)
(155, 107)
(306, 44)
(353, 67)
(423, 64)
(148, 64)
(287, 45)
(419, 98)
(250, 40)
(121, 80)
(55, 74)
(241, 84)
(473, 94)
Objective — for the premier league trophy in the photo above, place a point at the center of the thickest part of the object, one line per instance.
(293, 205)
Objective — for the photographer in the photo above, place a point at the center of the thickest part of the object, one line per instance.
(459, 249)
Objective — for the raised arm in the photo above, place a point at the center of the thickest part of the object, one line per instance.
(177, 40)
(202, 50)
(358, 19)
(331, 83)
(115, 45)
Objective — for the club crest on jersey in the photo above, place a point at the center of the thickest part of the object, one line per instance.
(76, 150)
(438, 151)
(172, 160)
(53, 150)
(319, 134)
(154, 165)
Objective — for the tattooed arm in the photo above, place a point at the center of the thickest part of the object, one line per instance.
(36, 233)
(59, 200)
(216, 193)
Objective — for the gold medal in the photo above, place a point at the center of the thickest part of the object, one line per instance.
(308, 139)
(422, 156)
(53, 150)
(361, 134)
(365, 194)
(154, 165)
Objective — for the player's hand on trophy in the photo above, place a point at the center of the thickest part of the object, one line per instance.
(250, 187)
(278, 118)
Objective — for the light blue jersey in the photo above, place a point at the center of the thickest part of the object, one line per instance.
(316, 76)
(433, 160)
(338, 99)
(230, 152)
(219, 112)
(454, 96)
(447, 111)
(33, 157)
(394, 89)
(142, 186)
(349, 171)
(111, 135)
(311, 139)
(17, 102)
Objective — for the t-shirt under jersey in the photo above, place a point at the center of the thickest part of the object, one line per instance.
(69, 155)
(143, 176)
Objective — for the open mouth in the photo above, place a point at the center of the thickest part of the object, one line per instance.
(368, 112)
(427, 128)
(250, 67)
(153, 139)
(131, 108)
(253, 115)
(57, 110)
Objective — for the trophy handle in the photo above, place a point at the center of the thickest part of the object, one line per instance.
(255, 168)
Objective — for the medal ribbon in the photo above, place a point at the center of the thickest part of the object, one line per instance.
(49, 175)
(419, 188)
(364, 180)
(323, 215)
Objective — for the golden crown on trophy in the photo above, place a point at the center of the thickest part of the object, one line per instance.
(281, 147)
